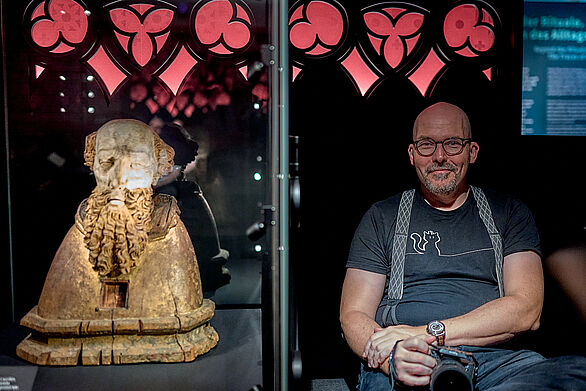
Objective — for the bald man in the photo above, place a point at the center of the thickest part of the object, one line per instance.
(462, 270)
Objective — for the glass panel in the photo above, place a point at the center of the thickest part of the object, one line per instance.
(202, 86)
(198, 73)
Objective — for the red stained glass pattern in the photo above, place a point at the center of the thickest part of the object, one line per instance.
(135, 36)
(141, 8)
(469, 30)
(110, 74)
(363, 76)
(223, 26)
(427, 71)
(244, 71)
(175, 73)
(64, 26)
(393, 33)
(319, 30)
(62, 48)
(316, 28)
(295, 72)
(38, 70)
(39, 11)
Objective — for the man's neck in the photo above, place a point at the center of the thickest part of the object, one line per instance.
(446, 202)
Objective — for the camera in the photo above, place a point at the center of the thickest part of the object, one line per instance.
(455, 370)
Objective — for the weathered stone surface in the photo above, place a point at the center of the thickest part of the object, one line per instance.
(118, 349)
(124, 286)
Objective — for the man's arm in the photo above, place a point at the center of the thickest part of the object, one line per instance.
(361, 295)
(494, 322)
(501, 319)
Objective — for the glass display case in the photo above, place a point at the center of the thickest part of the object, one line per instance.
(209, 78)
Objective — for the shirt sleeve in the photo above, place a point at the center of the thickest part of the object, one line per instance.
(368, 250)
(520, 233)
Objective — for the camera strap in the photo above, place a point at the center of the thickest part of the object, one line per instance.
(397, 270)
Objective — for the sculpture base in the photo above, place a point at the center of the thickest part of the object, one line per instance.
(118, 349)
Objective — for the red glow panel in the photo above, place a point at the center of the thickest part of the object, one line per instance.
(62, 48)
(323, 27)
(359, 71)
(39, 11)
(38, 70)
(175, 73)
(107, 70)
(463, 30)
(141, 46)
(66, 17)
(142, 8)
(394, 12)
(215, 20)
(381, 24)
(295, 72)
(426, 72)
(244, 71)
(161, 39)
(123, 39)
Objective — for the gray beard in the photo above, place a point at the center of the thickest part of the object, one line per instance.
(443, 190)
(440, 189)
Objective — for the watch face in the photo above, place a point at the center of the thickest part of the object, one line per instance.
(436, 328)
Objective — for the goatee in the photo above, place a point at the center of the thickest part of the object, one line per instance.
(435, 188)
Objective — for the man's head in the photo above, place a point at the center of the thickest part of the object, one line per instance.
(127, 158)
(444, 171)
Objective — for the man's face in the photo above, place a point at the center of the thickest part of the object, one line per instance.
(440, 173)
(125, 158)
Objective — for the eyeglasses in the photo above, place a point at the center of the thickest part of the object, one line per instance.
(452, 146)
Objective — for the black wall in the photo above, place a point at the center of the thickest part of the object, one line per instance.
(353, 152)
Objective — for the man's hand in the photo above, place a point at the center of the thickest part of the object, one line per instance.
(413, 364)
(379, 345)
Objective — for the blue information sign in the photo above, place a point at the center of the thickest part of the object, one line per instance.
(554, 68)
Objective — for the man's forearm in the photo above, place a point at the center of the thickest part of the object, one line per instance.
(494, 322)
(357, 328)
(501, 319)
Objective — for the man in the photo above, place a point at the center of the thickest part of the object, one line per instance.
(453, 285)
(124, 285)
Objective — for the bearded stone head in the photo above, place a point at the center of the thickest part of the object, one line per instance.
(127, 158)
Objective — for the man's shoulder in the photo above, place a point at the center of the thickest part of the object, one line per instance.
(508, 210)
(501, 201)
(385, 210)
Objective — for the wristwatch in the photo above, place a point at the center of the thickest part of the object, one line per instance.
(438, 330)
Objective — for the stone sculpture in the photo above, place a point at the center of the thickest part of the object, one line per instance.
(124, 286)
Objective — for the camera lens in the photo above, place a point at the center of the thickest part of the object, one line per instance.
(450, 375)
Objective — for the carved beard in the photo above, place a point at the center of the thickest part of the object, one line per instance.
(117, 234)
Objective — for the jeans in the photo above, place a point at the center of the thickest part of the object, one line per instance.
(504, 370)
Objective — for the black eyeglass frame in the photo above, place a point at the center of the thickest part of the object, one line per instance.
(429, 139)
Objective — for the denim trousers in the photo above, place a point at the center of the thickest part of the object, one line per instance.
(504, 370)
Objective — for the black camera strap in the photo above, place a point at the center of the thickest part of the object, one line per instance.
(397, 270)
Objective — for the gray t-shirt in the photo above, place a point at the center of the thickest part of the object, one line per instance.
(449, 261)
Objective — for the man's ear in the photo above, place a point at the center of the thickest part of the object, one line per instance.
(411, 151)
(474, 147)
